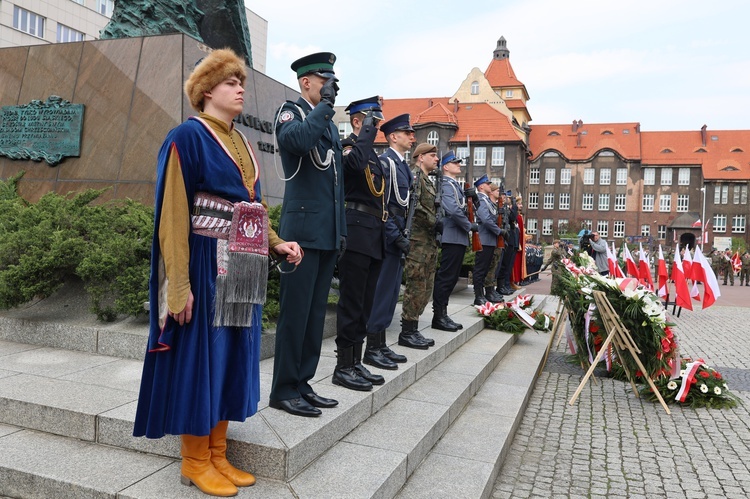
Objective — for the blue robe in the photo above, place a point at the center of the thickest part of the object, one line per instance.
(197, 375)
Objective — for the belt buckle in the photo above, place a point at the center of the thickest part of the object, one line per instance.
(196, 210)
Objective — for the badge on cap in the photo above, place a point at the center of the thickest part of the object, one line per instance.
(286, 116)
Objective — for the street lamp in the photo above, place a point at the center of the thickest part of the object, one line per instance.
(703, 216)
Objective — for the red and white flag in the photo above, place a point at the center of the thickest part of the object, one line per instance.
(697, 223)
(618, 270)
(706, 275)
(687, 268)
(663, 277)
(680, 284)
(736, 262)
(644, 269)
(630, 263)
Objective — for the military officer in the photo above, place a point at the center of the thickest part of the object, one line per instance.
(490, 281)
(421, 262)
(400, 136)
(456, 227)
(359, 266)
(488, 232)
(728, 267)
(511, 248)
(716, 262)
(312, 213)
(745, 268)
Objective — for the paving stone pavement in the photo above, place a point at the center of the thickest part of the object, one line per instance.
(610, 444)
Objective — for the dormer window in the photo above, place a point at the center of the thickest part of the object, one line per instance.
(737, 149)
(700, 149)
(553, 133)
(607, 132)
(666, 150)
(509, 94)
(474, 88)
(432, 138)
(730, 169)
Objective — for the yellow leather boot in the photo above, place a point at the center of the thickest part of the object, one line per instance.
(198, 470)
(218, 446)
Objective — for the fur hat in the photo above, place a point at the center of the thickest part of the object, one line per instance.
(212, 70)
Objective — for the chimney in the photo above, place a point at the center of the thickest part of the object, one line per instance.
(637, 128)
(575, 126)
(429, 103)
(578, 139)
(703, 135)
(455, 106)
(580, 123)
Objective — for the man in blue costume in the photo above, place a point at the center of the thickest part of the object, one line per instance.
(488, 232)
(201, 368)
(313, 215)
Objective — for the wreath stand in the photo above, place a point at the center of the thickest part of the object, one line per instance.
(620, 338)
(561, 317)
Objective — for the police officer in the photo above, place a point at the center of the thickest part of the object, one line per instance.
(456, 227)
(400, 136)
(421, 262)
(490, 281)
(313, 215)
(488, 232)
(359, 266)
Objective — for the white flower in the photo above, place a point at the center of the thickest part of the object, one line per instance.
(726, 387)
(717, 390)
(682, 373)
(672, 385)
(704, 388)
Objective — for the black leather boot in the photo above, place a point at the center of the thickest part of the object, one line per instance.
(428, 341)
(441, 321)
(493, 295)
(365, 373)
(374, 355)
(479, 298)
(395, 357)
(408, 337)
(451, 321)
(345, 374)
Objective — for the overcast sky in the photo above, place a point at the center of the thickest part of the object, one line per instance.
(668, 64)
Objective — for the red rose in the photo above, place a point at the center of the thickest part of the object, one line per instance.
(665, 344)
(717, 375)
(668, 332)
(593, 328)
(638, 374)
(704, 374)
(693, 381)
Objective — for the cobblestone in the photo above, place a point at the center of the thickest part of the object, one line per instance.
(610, 443)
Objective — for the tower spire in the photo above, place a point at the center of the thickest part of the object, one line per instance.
(501, 52)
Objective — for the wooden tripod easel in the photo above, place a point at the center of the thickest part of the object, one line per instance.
(620, 338)
(561, 317)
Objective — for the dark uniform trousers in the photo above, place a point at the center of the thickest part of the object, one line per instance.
(387, 290)
(448, 273)
(299, 359)
(482, 261)
(506, 266)
(358, 278)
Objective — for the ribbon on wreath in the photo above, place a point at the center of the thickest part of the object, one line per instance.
(687, 380)
(587, 321)
(520, 301)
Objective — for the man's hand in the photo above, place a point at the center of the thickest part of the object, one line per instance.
(403, 244)
(292, 251)
(328, 92)
(186, 315)
(474, 227)
(342, 246)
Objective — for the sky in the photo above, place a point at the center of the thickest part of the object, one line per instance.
(667, 64)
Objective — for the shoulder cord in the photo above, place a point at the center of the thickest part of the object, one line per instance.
(394, 181)
(459, 202)
(314, 154)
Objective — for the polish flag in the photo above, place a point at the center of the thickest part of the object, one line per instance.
(697, 223)
(687, 268)
(663, 277)
(630, 263)
(706, 275)
(644, 269)
(680, 284)
(736, 261)
(611, 263)
(618, 269)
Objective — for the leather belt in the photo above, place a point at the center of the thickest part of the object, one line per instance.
(365, 209)
(396, 212)
(199, 211)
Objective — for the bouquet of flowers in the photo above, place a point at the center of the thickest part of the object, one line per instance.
(501, 316)
(697, 385)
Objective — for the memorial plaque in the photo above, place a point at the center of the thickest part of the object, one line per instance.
(49, 130)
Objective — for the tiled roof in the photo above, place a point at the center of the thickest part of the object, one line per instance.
(619, 137)
(515, 104)
(726, 156)
(500, 74)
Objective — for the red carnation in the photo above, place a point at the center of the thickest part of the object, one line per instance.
(704, 374)
(717, 375)
(665, 344)
(593, 328)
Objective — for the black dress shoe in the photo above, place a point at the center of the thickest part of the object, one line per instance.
(365, 373)
(297, 407)
(316, 400)
(442, 323)
(375, 357)
(428, 341)
(395, 357)
(455, 324)
(411, 341)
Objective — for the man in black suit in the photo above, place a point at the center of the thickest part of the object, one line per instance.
(312, 214)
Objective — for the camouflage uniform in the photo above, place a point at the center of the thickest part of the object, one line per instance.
(717, 263)
(421, 262)
(745, 269)
(728, 266)
(490, 281)
(555, 259)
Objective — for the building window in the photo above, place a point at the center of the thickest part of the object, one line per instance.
(546, 226)
(588, 176)
(533, 200)
(648, 202)
(743, 194)
(345, 129)
(565, 176)
(474, 88)
(666, 176)
(619, 202)
(661, 232)
(586, 224)
(564, 201)
(480, 156)
(721, 194)
(720, 223)
(649, 176)
(562, 225)
(432, 138)
(549, 176)
(602, 227)
(65, 34)
(683, 176)
(740, 192)
(105, 7)
(498, 156)
(603, 202)
(622, 176)
(509, 94)
(533, 176)
(738, 223)
(683, 201)
(549, 200)
(588, 202)
(463, 153)
(605, 176)
(645, 230)
(665, 203)
(618, 228)
(530, 226)
(28, 22)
